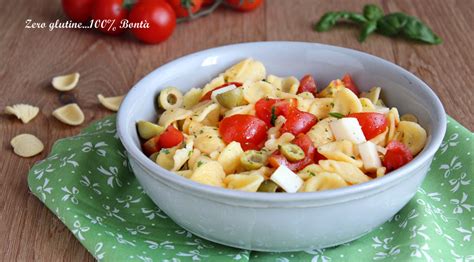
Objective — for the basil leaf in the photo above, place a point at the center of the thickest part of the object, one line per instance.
(391, 24)
(368, 29)
(408, 26)
(273, 117)
(336, 115)
(372, 12)
(329, 19)
(416, 30)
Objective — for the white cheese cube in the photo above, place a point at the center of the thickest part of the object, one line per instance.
(370, 157)
(221, 90)
(347, 128)
(288, 180)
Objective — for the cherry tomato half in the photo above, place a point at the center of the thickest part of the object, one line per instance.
(170, 138)
(180, 7)
(298, 122)
(349, 83)
(397, 155)
(109, 14)
(307, 84)
(269, 109)
(151, 146)
(244, 5)
(208, 95)
(161, 19)
(78, 10)
(248, 130)
(372, 124)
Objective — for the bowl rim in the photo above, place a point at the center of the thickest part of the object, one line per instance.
(211, 192)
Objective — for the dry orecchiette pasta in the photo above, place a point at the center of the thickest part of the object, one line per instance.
(249, 131)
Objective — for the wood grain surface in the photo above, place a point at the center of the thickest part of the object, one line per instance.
(29, 58)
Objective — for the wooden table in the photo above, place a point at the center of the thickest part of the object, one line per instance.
(111, 65)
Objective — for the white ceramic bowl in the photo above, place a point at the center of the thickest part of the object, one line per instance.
(280, 221)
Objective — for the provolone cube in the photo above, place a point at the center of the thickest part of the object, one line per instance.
(286, 179)
(370, 157)
(347, 128)
(220, 91)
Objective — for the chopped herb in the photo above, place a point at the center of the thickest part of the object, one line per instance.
(199, 163)
(311, 173)
(353, 157)
(201, 131)
(336, 115)
(165, 151)
(274, 116)
(332, 104)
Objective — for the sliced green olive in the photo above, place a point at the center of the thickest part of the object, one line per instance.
(252, 160)
(268, 186)
(170, 98)
(231, 98)
(292, 152)
(147, 130)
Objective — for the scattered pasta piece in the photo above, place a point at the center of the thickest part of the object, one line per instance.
(70, 114)
(65, 82)
(346, 102)
(112, 103)
(26, 145)
(246, 70)
(324, 181)
(23, 112)
(209, 173)
(412, 135)
(248, 183)
(409, 117)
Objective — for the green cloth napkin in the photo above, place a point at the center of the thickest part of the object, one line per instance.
(87, 182)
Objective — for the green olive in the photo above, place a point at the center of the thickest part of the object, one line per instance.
(268, 186)
(170, 98)
(231, 98)
(147, 130)
(292, 152)
(252, 160)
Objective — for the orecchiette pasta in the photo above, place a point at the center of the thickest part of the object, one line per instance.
(248, 131)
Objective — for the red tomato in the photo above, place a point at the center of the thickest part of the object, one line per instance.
(207, 2)
(151, 145)
(397, 155)
(298, 122)
(372, 124)
(207, 96)
(248, 130)
(161, 19)
(307, 84)
(180, 7)
(349, 83)
(170, 138)
(305, 143)
(244, 5)
(78, 10)
(266, 108)
(109, 14)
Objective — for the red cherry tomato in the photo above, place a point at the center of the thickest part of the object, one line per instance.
(151, 145)
(248, 130)
(180, 7)
(305, 143)
(78, 10)
(397, 155)
(349, 83)
(159, 15)
(207, 2)
(307, 84)
(267, 108)
(372, 124)
(207, 96)
(244, 5)
(109, 14)
(170, 138)
(298, 122)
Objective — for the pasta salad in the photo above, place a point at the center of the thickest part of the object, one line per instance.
(254, 132)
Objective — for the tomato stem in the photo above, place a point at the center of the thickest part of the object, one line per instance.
(201, 13)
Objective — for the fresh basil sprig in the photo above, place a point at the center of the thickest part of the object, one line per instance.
(373, 20)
